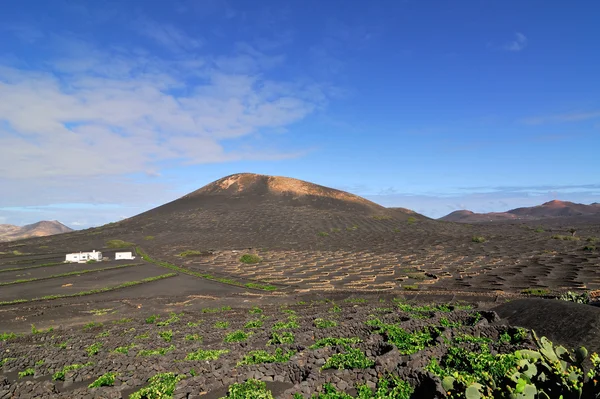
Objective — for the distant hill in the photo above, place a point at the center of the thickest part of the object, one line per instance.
(549, 209)
(250, 210)
(9, 232)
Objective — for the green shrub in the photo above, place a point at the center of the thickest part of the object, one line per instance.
(478, 239)
(322, 323)
(123, 349)
(193, 337)
(411, 220)
(255, 310)
(160, 386)
(290, 324)
(285, 337)
(589, 248)
(261, 356)
(90, 261)
(407, 343)
(93, 349)
(237, 336)
(167, 336)
(60, 375)
(105, 380)
(27, 372)
(251, 389)
(92, 325)
(149, 238)
(8, 336)
(390, 387)
(222, 324)
(173, 318)
(156, 352)
(202, 354)
(351, 359)
(250, 258)
(116, 244)
(256, 323)
(323, 234)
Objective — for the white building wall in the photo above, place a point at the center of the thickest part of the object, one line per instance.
(124, 255)
(81, 257)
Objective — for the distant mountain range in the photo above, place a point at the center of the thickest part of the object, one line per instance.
(550, 209)
(9, 232)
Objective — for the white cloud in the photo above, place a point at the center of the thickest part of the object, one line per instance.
(518, 44)
(70, 130)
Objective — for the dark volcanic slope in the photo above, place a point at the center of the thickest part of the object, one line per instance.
(9, 232)
(547, 210)
(248, 211)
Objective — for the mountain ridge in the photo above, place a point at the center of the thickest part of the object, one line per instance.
(43, 228)
(550, 209)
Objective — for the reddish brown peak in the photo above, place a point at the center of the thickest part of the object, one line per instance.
(557, 204)
(251, 183)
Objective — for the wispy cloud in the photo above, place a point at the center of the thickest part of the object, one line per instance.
(168, 36)
(575, 116)
(74, 127)
(518, 44)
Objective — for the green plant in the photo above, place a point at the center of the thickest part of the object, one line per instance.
(143, 336)
(8, 336)
(335, 230)
(93, 349)
(6, 360)
(60, 375)
(589, 248)
(149, 238)
(167, 335)
(221, 324)
(322, 323)
(250, 258)
(410, 287)
(390, 387)
(103, 334)
(116, 244)
(152, 319)
(335, 309)
(539, 230)
(156, 352)
(255, 310)
(202, 354)
(194, 324)
(256, 323)
(193, 337)
(90, 261)
(237, 336)
(478, 239)
(444, 322)
(92, 325)
(35, 331)
(105, 380)
(261, 356)
(27, 372)
(323, 234)
(351, 359)
(160, 386)
(285, 337)
(123, 349)
(173, 318)
(123, 321)
(330, 341)
(250, 389)
(290, 324)
(407, 343)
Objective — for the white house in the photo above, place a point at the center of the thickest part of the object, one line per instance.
(124, 255)
(82, 257)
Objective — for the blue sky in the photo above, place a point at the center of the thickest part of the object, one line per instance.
(110, 108)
